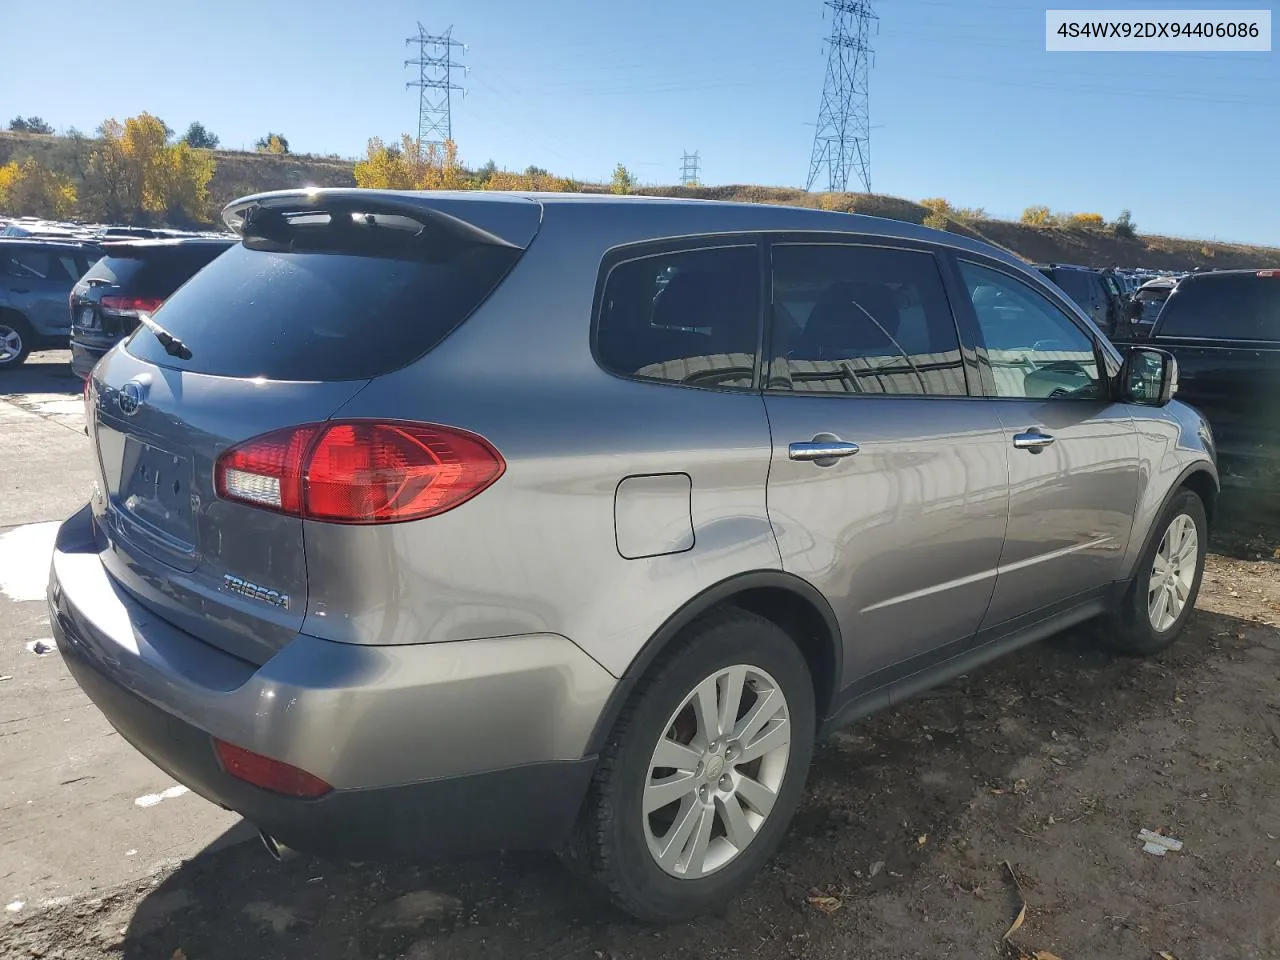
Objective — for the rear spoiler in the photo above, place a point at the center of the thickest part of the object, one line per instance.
(502, 221)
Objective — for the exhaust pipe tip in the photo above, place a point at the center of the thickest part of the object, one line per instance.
(278, 851)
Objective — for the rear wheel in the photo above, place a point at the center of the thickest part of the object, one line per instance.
(703, 772)
(15, 340)
(1162, 594)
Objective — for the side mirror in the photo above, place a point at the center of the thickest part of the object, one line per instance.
(1149, 377)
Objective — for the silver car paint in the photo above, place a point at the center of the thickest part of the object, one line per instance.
(394, 711)
(906, 540)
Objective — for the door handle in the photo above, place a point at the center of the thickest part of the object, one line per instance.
(1032, 440)
(821, 450)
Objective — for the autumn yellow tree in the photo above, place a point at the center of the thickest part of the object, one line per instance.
(410, 166)
(28, 189)
(136, 171)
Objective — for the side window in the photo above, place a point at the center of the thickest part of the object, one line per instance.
(25, 263)
(690, 317)
(862, 320)
(65, 266)
(1036, 351)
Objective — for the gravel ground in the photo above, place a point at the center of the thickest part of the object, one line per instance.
(926, 830)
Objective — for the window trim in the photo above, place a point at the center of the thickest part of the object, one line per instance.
(622, 254)
(1109, 366)
(940, 256)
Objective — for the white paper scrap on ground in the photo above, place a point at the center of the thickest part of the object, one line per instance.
(1158, 844)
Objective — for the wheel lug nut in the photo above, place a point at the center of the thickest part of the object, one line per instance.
(726, 782)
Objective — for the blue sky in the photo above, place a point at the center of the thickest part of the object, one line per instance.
(966, 102)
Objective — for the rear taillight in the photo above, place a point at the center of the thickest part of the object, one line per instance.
(273, 775)
(1269, 273)
(359, 471)
(131, 306)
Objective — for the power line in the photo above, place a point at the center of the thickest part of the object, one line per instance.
(842, 141)
(689, 169)
(435, 84)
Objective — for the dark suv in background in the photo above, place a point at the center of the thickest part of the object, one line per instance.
(1223, 327)
(133, 279)
(1097, 292)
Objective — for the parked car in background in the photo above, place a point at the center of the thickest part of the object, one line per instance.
(1096, 292)
(1146, 306)
(36, 277)
(1224, 329)
(411, 534)
(133, 278)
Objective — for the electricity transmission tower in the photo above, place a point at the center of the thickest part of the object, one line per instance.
(689, 169)
(842, 142)
(435, 84)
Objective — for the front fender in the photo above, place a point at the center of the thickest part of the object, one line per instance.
(1175, 450)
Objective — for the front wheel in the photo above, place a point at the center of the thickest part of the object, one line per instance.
(702, 773)
(1163, 592)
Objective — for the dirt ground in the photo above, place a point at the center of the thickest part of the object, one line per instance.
(925, 830)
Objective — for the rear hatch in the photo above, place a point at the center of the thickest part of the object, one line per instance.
(328, 290)
(130, 279)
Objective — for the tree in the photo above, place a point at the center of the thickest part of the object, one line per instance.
(200, 138)
(273, 143)
(1037, 216)
(30, 190)
(135, 172)
(1093, 220)
(410, 166)
(623, 180)
(1123, 225)
(485, 174)
(30, 125)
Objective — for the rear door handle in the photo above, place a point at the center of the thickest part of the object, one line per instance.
(1032, 440)
(821, 450)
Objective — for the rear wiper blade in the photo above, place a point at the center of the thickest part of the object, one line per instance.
(172, 345)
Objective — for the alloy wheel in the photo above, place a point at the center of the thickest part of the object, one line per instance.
(716, 771)
(1173, 572)
(10, 344)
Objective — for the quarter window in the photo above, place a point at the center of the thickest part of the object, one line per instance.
(862, 320)
(1035, 350)
(690, 317)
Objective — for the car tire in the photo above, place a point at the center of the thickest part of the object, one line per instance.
(617, 845)
(1171, 565)
(16, 340)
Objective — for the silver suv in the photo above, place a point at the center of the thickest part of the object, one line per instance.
(429, 522)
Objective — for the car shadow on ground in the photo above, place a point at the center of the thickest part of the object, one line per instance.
(883, 801)
(48, 372)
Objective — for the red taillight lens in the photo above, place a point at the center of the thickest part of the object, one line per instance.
(359, 471)
(130, 306)
(1269, 273)
(273, 775)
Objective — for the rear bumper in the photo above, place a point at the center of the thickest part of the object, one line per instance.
(436, 748)
(85, 355)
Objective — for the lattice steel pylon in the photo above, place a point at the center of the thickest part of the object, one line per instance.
(689, 173)
(435, 84)
(842, 142)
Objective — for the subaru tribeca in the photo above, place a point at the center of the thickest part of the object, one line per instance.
(428, 522)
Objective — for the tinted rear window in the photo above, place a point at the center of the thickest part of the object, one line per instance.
(320, 316)
(1229, 307)
(1077, 284)
(157, 273)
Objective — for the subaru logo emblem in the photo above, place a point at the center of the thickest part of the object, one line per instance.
(129, 398)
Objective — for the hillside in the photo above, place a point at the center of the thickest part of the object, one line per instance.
(238, 173)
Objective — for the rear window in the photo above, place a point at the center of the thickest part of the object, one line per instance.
(1077, 284)
(320, 315)
(158, 273)
(1227, 307)
(1155, 293)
